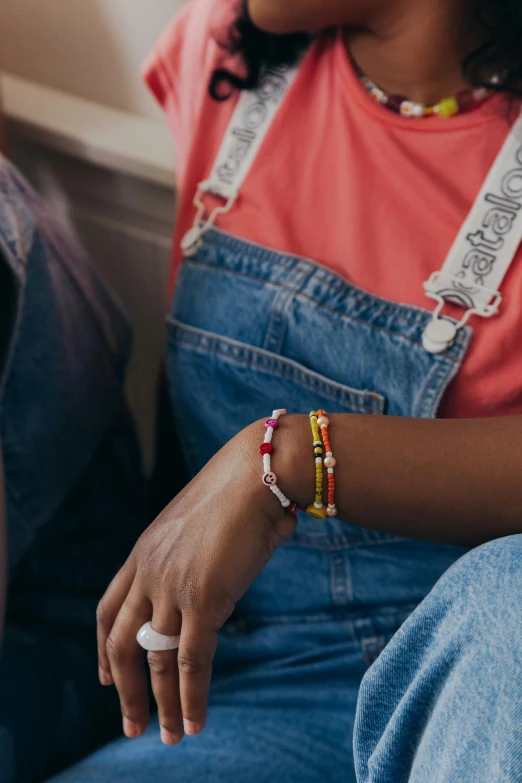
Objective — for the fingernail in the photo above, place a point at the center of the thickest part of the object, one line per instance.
(168, 738)
(105, 677)
(131, 729)
(191, 728)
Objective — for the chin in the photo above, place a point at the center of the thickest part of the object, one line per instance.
(270, 16)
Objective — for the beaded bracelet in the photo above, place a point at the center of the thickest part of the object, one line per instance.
(269, 478)
(329, 462)
(317, 509)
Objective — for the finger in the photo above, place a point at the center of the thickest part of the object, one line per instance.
(196, 652)
(106, 614)
(127, 662)
(165, 677)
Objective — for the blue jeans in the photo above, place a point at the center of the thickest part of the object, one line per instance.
(74, 487)
(441, 704)
(251, 330)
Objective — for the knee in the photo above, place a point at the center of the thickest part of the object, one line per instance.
(457, 655)
(485, 588)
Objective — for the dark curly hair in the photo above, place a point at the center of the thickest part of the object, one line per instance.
(499, 57)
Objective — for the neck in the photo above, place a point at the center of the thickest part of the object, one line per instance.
(415, 49)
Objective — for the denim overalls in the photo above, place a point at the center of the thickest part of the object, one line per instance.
(73, 485)
(251, 330)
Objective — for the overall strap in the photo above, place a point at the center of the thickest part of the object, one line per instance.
(483, 250)
(480, 256)
(246, 132)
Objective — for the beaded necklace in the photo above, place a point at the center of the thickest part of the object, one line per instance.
(465, 100)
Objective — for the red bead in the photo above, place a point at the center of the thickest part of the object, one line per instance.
(394, 102)
(266, 448)
(294, 509)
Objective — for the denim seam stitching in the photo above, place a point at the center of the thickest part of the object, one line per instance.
(352, 319)
(330, 278)
(284, 260)
(363, 400)
(279, 310)
(338, 541)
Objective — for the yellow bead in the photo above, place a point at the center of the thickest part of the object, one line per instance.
(447, 108)
(316, 513)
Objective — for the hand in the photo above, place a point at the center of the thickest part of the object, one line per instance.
(185, 575)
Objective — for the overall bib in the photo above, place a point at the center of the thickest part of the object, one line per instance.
(251, 330)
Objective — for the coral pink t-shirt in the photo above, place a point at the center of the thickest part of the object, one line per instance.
(375, 197)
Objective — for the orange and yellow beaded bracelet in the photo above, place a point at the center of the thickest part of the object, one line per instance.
(317, 509)
(329, 462)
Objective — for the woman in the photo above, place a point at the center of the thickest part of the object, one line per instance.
(337, 191)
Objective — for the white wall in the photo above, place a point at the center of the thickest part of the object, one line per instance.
(90, 48)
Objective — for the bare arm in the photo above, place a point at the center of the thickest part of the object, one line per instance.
(454, 481)
(450, 481)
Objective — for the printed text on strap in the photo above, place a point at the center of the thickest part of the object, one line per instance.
(248, 128)
(484, 249)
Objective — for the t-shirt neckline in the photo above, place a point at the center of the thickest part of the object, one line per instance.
(489, 112)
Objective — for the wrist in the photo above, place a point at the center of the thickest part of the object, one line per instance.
(286, 460)
(294, 463)
(291, 461)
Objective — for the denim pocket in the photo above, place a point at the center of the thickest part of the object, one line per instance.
(230, 384)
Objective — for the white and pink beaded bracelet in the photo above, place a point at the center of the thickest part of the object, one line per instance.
(266, 450)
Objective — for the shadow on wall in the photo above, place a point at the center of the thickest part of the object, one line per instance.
(94, 49)
(90, 48)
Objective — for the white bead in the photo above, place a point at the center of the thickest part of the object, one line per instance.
(408, 108)
(318, 460)
(331, 470)
(331, 511)
(323, 421)
(266, 463)
(285, 503)
(329, 454)
(319, 506)
(330, 462)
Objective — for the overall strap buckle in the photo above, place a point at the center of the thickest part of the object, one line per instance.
(440, 334)
(191, 242)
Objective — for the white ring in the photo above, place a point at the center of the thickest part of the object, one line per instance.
(153, 641)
